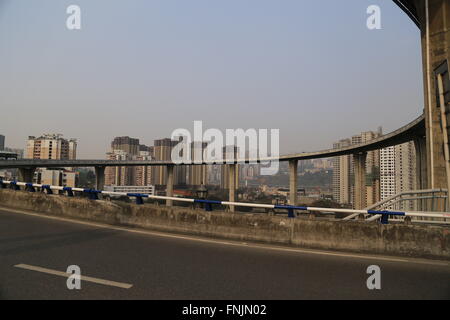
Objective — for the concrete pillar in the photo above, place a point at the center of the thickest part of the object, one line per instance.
(359, 163)
(434, 17)
(169, 187)
(99, 178)
(232, 184)
(26, 174)
(293, 175)
(420, 145)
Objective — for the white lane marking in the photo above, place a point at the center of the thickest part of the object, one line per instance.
(236, 244)
(66, 275)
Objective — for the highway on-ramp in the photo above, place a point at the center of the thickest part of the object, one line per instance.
(120, 263)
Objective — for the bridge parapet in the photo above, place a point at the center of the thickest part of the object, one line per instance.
(382, 215)
(326, 233)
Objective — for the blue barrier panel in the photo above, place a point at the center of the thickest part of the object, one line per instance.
(385, 215)
(13, 185)
(391, 213)
(208, 203)
(139, 200)
(46, 187)
(93, 194)
(291, 213)
(139, 197)
(29, 187)
(69, 191)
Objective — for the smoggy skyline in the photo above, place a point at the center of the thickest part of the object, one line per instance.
(145, 68)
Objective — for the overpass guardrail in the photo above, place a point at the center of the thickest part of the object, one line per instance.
(384, 215)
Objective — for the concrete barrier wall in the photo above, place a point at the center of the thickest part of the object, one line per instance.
(394, 239)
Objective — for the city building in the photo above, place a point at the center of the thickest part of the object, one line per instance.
(126, 148)
(162, 151)
(397, 169)
(229, 152)
(197, 174)
(387, 172)
(51, 146)
(129, 145)
(66, 178)
(143, 174)
(372, 169)
(118, 176)
(325, 164)
(343, 175)
(2, 142)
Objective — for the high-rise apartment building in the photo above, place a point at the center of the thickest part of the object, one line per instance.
(342, 168)
(405, 164)
(343, 174)
(387, 172)
(143, 174)
(229, 152)
(119, 176)
(127, 144)
(397, 169)
(372, 169)
(162, 150)
(2, 142)
(197, 174)
(126, 148)
(51, 146)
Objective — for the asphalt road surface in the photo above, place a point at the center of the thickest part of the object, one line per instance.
(36, 251)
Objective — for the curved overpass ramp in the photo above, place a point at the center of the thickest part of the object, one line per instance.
(414, 129)
(409, 132)
(409, 7)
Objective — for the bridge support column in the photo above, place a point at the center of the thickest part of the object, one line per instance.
(359, 162)
(420, 145)
(26, 174)
(232, 184)
(169, 187)
(99, 178)
(434, 17)
(293, 184)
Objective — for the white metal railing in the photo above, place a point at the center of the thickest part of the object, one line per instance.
(383, 215)
(407, 200)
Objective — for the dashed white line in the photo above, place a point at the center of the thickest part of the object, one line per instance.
(66, 275)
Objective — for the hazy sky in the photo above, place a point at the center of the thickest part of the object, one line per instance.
(146, 67)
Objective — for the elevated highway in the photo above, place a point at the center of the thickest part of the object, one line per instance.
(409, 132)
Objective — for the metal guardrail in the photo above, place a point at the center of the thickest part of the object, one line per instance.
(417, 199)
(93, 195)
